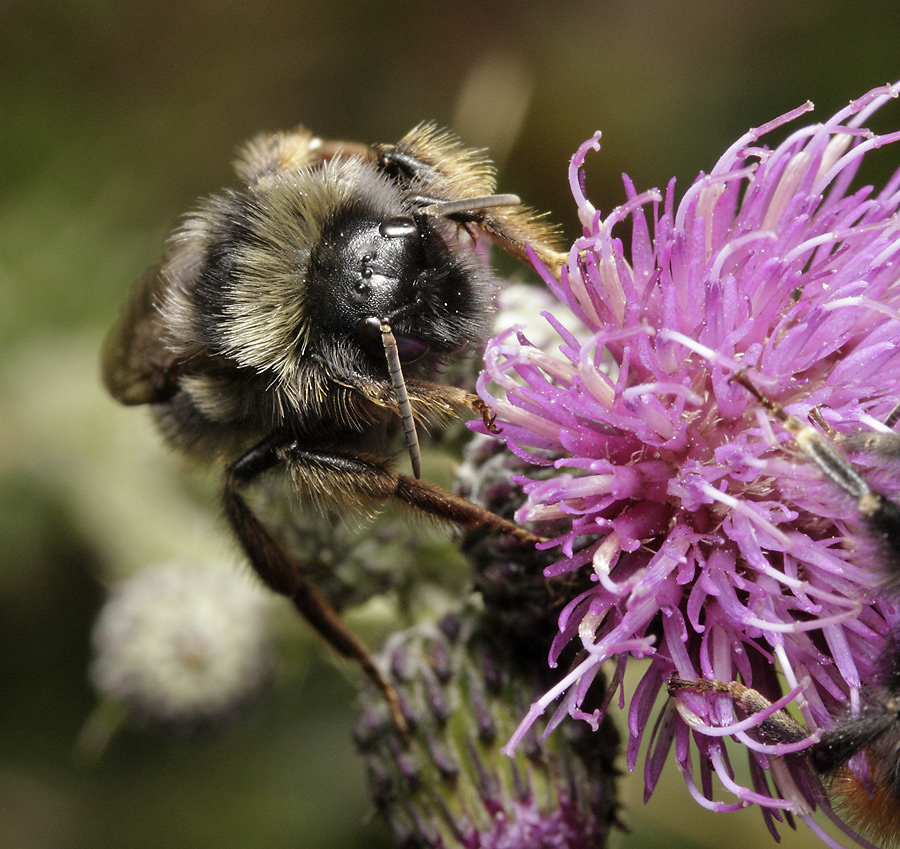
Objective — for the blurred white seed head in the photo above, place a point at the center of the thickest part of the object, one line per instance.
(182, 643)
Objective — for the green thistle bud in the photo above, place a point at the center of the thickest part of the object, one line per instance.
(465, 686)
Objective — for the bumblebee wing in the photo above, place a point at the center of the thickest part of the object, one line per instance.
(136, 366)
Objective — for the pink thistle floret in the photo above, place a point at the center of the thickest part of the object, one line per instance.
(715, 549)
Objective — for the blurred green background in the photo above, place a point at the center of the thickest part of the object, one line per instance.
(114, 117)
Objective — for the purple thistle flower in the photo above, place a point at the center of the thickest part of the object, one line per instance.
(715, 549)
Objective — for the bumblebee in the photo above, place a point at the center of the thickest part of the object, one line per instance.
(871, 803)
(300, 322)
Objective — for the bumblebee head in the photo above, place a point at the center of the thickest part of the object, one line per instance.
(405, 269)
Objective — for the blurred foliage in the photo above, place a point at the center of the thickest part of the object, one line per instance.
(113, 118)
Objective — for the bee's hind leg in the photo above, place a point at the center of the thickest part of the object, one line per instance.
(282, 575)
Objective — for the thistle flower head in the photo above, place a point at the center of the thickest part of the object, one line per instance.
(714, 549)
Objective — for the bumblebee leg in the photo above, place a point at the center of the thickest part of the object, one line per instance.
(396, 162)
(441, 503)
(280, 574)
(359, 481)
(488, 416)
(779, 727)
(881, 513)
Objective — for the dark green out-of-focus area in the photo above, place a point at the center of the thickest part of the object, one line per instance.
(113, 118)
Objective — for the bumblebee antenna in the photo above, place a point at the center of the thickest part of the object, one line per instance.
(445, 208)
(399, 386)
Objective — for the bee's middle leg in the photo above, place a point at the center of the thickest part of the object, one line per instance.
(361, 481)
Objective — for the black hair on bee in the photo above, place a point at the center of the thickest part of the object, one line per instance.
(869, 797)
(300, 321)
